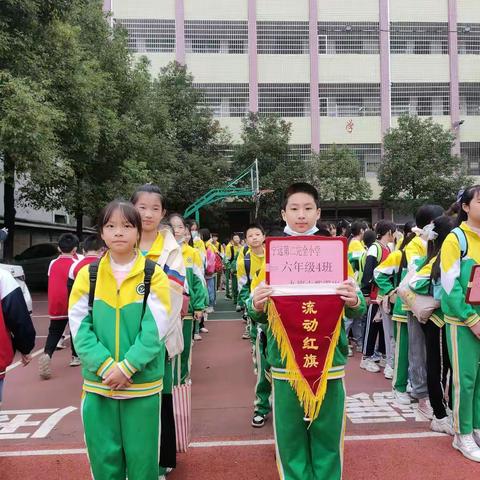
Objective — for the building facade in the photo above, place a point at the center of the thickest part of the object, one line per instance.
(341, 71)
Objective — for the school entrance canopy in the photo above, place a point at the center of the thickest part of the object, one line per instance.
(247, 184)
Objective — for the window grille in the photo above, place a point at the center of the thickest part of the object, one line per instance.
(285, 99)
(419, 38)
(422, 99)
(300, 151)
(216, 36)
(225, 99)
(349, 99)
(348, 38)
(469, 38)
(282, 38)
(368, 154)
(470, 152)
(470, 98)
(149, 35)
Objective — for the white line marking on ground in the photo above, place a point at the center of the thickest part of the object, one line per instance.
(40, 316)
(232, 443)
(35, 354)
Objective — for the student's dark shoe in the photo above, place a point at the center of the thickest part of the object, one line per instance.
(258, 421)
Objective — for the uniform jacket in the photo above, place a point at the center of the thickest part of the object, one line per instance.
(16, 328)
(115, 331)
(455, 276)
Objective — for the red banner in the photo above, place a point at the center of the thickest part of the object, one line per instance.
(307, 329)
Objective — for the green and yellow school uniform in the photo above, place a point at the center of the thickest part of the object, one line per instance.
(356, 249)
(231, 254)
(122, 427)
(387, 279)
(195, 287)
(463, 345)
(249, 266)
(307, 450)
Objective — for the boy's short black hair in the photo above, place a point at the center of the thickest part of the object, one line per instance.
(93, 243)
(300, 187)
(253, 226)
(67, 242)
(383, 227)
(205, 234)
(323, 230)
(369, 237)
(357, 227)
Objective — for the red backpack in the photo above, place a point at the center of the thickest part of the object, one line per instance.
(211, 263)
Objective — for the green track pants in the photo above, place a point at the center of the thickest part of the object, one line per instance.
(464, 351)
(122, 436)
(400, 370)
(304, 451)
(263, 385)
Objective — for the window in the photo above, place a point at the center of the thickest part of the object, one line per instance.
(285, 99)
(225, 99)
(216, 36)
(282, 38)
(302, 152)
(423, 99)
(470, 98)
(469, 38)
(349, 99)
(59, 218)
(149, 35)
(419, 38)
(470, 152)
(348, 38)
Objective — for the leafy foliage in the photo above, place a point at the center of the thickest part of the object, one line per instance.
(418, 166)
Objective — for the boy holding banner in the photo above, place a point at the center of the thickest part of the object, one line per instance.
(309, 426)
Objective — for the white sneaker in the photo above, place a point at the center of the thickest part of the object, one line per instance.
(466, 445)
(197, 337)
(476, 436)
(75, 362)
(369, 365)
(403, 398)
(209, 310)
(425, 408)
(238, 308)
(388, 372)
(442, 425)
(61, 345)
(204, 330)
(409, 387)
(350, 351)
(44, 366)
(246, 334)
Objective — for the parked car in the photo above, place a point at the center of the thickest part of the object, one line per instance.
(19, 276)
(35, 262)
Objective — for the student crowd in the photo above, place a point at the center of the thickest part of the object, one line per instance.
(139, 297)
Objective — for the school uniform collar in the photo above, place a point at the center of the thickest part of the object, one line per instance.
(291, 233)
(137, 268)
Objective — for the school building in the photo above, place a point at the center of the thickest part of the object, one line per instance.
(340, 71)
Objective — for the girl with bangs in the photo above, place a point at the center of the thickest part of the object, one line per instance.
(119, 330)
(460, 253)
(158, 244)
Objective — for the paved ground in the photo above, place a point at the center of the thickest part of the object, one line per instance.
(41, 436)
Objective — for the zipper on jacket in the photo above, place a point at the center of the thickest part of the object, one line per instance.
(117, 328)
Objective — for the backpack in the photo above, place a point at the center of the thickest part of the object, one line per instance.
(363, 261)
(218, 263)
(148, 273)
(247, 262)
(462, 241)
(210, 267)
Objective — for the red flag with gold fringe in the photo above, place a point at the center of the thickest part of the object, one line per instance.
(304, 313)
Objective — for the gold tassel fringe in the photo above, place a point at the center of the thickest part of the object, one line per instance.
(310, 401)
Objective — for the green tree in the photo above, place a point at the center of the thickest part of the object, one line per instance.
(266, 138)
(28, 118)
(418, 165)
(337, 174)
(197, 140)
